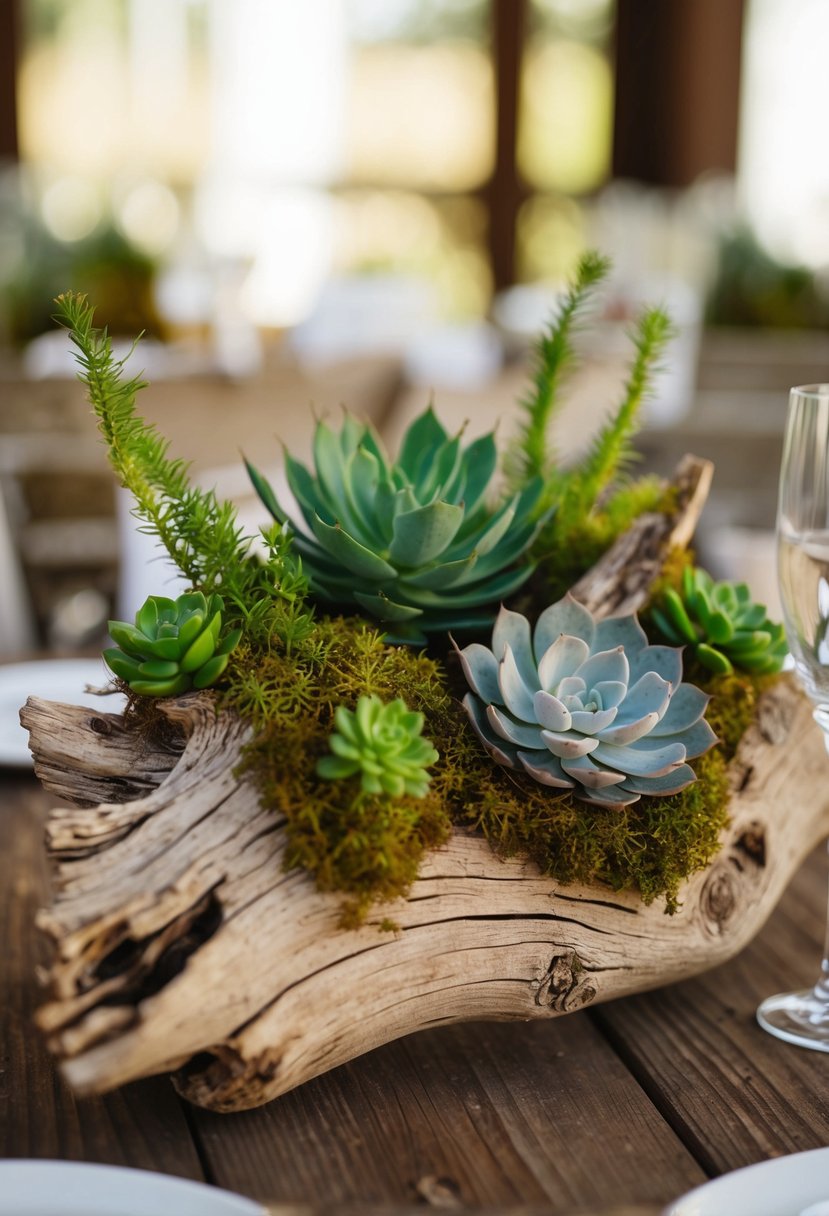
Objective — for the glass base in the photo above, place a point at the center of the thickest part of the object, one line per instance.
(797, 1017)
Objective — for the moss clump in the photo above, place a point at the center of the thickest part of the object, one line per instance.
(653, 845)
(568, 554)
(733, 705)
(148, 722)
(676, 562)
(369, 848)
(366, 846)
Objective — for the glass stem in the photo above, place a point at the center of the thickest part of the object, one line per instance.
(822, 986)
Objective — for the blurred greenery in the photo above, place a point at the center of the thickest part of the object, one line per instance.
(104, 266)
(753, 289)
(582, 20)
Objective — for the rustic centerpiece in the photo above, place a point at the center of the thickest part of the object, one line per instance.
(353, 797)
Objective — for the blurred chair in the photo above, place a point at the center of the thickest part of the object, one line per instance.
(64, 529)
(145, 567)
(17, 631)
(58, 534)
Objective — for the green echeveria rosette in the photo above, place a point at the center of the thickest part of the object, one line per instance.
(722, 623)
(412, 542)
(586, 706)
(174, 645)
(383, 743)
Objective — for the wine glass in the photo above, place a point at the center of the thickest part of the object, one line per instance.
(803, 574)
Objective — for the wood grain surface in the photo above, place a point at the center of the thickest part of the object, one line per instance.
(141, 1125)
(496, 1114)
(734, 1094)
(607, 1113)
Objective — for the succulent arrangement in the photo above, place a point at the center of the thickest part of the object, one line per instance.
(586, 705)
(604, 767)
(174, 645)
(722, 625)
(412, 542)
(384, 744)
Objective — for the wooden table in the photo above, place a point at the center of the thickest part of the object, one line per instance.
(616, 1110)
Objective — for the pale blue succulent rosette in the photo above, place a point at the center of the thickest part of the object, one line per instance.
(587, 706)
(413, 542)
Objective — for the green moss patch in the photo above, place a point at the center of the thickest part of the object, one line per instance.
(366, 846)
(568, 550)
(370, 848)
(651, 846)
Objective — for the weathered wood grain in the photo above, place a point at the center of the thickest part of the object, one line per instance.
(485, 1115)
(733, 1093)
(454, 1084)
(122, 765)
(302, 1209)
(620, 581)
(142, 1125)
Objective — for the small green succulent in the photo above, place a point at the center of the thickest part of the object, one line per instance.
(722, 623)
(586, 706)
(412, 542)
(384, 744)
(174, 645)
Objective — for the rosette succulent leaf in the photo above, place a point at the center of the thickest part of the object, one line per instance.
(174, 645)
(411, 542)
(384, 744)
(722, 624)
(586, 706)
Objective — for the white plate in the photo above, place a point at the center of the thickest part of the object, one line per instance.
(784, 1186)
(73, 1188)
(54, 680)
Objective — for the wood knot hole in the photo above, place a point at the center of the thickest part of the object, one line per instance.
(565, 986)
(774, 720)
(718, 898)
(437, 1192)
(752, 844)
(146, 965)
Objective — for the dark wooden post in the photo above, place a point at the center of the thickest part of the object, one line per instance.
(9, 44)
(677, 88)
(504, 192)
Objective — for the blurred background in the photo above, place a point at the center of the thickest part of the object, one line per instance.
(364, 202)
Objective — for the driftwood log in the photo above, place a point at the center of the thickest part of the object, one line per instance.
(181, 944)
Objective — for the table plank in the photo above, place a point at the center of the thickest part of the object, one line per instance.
(142, 1125)
(572, 1116)
(734, 1094)
(493, 1115)
(283, 1209)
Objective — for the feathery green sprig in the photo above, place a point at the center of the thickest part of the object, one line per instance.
(199, 531)
(584, 491)
(611, 451)
(531, 453)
